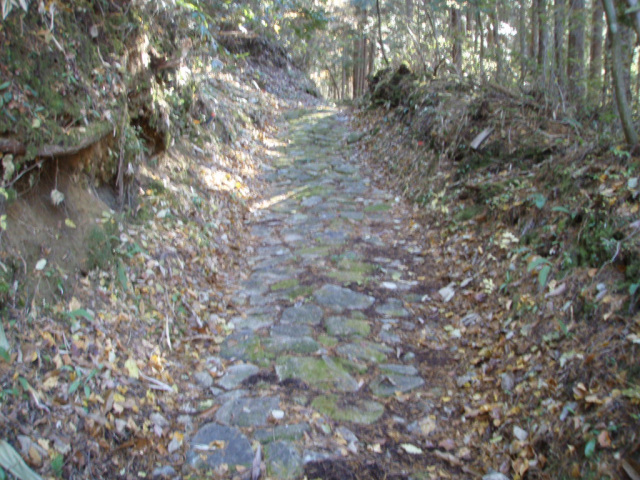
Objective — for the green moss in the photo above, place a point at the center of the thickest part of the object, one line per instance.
(284, 285)
(348, 410)
(379, 207)
(302, 291)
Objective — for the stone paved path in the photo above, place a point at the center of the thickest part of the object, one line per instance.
(319, 345)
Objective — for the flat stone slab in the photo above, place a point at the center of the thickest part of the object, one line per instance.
(282, 344)
(349, 409)
(247, 412)
(283, 460)
(339, 298)
(252, 321)
(234, 449)
(309, 314)
(238, 344)
(291, 330)
(281, 432)
(347, 327)
(364, 351)
(398, 369)
(388, 384)
(322, 373)
(392, 308)
(235, 374)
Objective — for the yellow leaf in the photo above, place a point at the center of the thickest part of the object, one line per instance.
(132, 367)
(69, 223)
(117, 397)
(50, 383)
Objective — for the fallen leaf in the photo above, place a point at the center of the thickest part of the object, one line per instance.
(411, 449)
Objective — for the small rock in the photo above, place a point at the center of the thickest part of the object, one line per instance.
(236, 374)
(163, 472)
(468, 377)
(520, 434)
(470, 318)
(158, 420)
(204, 379)
(508, 382)
(284, 460)
(447, 293)
(495, 476)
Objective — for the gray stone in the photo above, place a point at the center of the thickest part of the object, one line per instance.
(347, 327)
(339, 298)
(365, 351)
(283, 460)
(388, 384)
(312, 456)
(398, 369)
(254, 321)
(163, 472)
(308, 314)
(204, 379)
(321, 373)
(247, 412)
(356, 410)
(235, 374)
(235, 449)
(282, 344)
(291, 330)
(237, 344)
(392, 308)
(388, 337)
(281, 432)
(311, 201)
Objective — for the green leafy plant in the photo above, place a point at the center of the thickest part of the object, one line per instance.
(543, 273)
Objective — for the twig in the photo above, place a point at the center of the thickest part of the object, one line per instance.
(447, 457)
(156, 384)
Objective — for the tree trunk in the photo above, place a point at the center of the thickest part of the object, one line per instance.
(635, 15)
(618, 74)
(523, 39)
(595, 62)
(535, 29)
(384, 55)
(456, 48)
(575, 57)
(559, 16)
(497, 48)
(543, 44)
(483, 74)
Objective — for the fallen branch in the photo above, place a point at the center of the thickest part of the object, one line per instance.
(156, 384)
(481, 137)
(456, 462)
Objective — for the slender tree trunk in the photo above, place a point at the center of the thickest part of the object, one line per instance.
(456, 48)
(535, 29)
(543, 44)
(635, 15)
(384, 55)
(372, 56)
(618, 74)
(497, 47)
(575, 57)
(483, 73)
(434, 29)
(559, 19)
(595, 62)
(522, 18)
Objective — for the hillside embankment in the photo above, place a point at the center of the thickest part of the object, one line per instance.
(531, 214)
